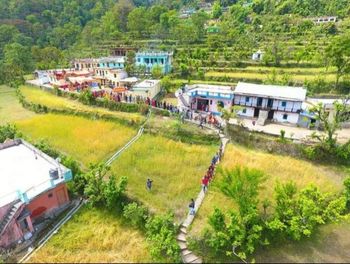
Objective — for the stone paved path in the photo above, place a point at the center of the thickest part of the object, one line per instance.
(187, 255)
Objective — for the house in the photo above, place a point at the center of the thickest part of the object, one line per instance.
(149, 59)
(122, 51)
(91, 64)
(208, 98)
(33, 188)
(42, 77)
(269, 102)
(323, 20)
(258, 56)
(110, 77)
(146, 88)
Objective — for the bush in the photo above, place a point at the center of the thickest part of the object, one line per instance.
(161, 233)
(136, 214)
(8, 131)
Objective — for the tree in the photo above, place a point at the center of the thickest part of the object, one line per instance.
(138, 21)
(157, 71)
(217, 11)
(130, 62)
(338, 55)
(331, 121)
(8, 131)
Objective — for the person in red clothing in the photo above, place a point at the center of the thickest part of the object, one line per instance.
(205, 181)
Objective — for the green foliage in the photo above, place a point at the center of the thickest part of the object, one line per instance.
(347, 190)
(157, 72)
(161, 233)
(8, 131)
(102, 191)
(86, 97)
(136, 214)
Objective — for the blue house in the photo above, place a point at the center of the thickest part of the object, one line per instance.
(151, 58)
(111, 63)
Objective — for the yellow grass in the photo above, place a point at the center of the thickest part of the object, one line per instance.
(10, 108)
(94, 235)
(84, 139)
(42, 97)
(277, 168)
(175, 168)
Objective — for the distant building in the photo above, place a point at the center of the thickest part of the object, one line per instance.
(122, 51)
(91, 64)
(146, 88)
(32, 189)
(149, 59)
(42, 77)
(323, 20)
(110, 77)
(213, 29)
(208, 98)
(258, 56)
(270, 102)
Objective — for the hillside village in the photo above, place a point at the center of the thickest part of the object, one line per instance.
(174, 131)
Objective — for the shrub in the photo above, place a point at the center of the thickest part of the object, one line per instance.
(136, 214)
(161, 233)
(8, 131)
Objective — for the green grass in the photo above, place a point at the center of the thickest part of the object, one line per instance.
(264, 76)
(176, 170)
(94, 235)
(10, 108)
(84, 139)
(38, 96)
(277, 168)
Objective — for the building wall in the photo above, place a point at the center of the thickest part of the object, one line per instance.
(151, 60)
(12, 233)
(249, 112)
(291, 117)
(49, 201)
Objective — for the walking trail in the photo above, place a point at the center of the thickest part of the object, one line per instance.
(187, 255)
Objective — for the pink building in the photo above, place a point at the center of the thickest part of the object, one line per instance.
(33, 188)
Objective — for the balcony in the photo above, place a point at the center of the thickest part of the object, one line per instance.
(267, 107)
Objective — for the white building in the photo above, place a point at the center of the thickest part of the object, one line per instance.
(42, 77)
(258, 56)
(204, 97)
(146, 88)
(322, 20)
(270, 102)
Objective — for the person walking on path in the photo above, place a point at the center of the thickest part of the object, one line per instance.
(149, 184)
(191, 207)
(205, 181)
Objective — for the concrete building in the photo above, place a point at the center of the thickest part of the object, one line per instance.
(258, 56)
(110, 77)
(32, 189)
(91, 64)
(149, 59)
(270, 102)
(204, 97)
(42, 77)
(146, 88)
(323, 20)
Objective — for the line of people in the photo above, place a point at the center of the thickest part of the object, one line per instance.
(207, 178)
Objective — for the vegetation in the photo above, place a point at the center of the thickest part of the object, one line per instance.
(88, 141)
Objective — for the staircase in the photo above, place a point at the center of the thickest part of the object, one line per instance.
(187, 255)
(9, 216)
(180, 95)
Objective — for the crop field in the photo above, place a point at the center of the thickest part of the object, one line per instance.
(84, 139)
(94, 235)
(277, 169)
(176, 170)
(264, 76)
(10, 108)
(38, 96)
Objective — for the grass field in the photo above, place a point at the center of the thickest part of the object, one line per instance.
(10, 108)
(277, 168)
(84, 139)
(176, 169)
(42, 97)
(94, 235)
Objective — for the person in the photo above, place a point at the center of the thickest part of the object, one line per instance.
(205, 181)
(192, 206)
(149, 184)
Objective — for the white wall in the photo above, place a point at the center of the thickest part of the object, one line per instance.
(291, 117)
(249, 112)
(213, 107)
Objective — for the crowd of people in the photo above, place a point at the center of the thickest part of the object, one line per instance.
(207, 178)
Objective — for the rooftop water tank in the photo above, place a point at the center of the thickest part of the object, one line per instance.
(53, 174)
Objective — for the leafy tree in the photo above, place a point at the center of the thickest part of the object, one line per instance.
(217, 11)
(347, 190)
(166, 83)
(338, 55)
(161, 233)
(136, 214)
(138, 21)
(8, 131)
(331, 121)
(157, 71)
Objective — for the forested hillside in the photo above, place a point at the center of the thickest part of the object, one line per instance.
(207, 39)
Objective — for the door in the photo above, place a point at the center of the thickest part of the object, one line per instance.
(259, 102)
(61, 197)
(269, 103)
(270, 115)
(256, 112)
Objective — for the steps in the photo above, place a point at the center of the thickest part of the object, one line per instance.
(9, 215)
(187, 255)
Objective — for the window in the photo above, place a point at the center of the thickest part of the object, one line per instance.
(285, 117)
(138, 60)
(247, 99)
(244, 111)
(284, 104)
(50, 195)
(115, 75)
(221, 104)
(211, 102)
